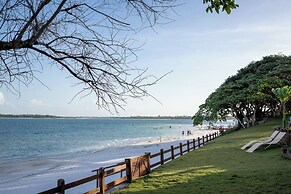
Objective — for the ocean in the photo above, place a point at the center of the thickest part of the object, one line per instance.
(25, 139)
(34, 153)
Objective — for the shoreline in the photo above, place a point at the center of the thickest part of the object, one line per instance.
(197, 133)
(44, 116)
(41, 174)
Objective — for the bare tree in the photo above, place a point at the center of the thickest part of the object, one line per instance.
(86, 38)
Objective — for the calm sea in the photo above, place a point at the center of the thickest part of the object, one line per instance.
(26, 139)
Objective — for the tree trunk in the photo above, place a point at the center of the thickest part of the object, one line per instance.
(284, 115)
(239, 117)
(247, 120)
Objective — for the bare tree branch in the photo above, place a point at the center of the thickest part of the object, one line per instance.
(88, 39)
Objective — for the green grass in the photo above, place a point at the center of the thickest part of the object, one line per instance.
(222, 167)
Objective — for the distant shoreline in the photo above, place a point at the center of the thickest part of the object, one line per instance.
(54, 116)
(28, 116)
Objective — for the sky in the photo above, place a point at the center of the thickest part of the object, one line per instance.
(201, 49)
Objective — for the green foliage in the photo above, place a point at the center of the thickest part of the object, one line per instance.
(283, 94)
(220, 5)
(248, 95)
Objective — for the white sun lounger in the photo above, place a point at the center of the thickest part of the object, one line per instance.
(274, 134)
(276, 140)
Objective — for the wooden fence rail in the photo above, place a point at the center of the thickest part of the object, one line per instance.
(132, 168)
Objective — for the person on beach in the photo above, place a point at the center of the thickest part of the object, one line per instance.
(183, 133)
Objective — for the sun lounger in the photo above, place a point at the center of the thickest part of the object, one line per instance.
(275, 141)
(271, 138)
(249, 144)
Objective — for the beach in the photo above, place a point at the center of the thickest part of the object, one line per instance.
(36, 175)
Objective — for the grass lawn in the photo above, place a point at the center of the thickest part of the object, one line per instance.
(222, 167)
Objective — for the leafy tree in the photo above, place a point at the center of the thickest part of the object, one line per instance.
(283, 94)
(248, 95)
(220, 5)
(88, 39)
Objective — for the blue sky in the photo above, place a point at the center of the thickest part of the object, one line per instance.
(201, 49)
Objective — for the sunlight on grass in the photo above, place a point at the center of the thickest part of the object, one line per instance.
(187, 174)
(170, 179)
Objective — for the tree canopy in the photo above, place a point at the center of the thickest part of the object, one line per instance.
(248, 95)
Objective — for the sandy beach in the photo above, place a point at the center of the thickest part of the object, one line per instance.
(38, 175)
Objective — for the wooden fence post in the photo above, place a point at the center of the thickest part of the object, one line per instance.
(61, 184)
(203, 140)
(181, 149)
(97, 180)
(148, 161)
(128, 170)
(194, 144)
(188, 146)
(102, 180)
(198, 142)
(172, 153)
(162, 156)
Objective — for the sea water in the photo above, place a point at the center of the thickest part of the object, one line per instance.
(25, 139)
(35, 153)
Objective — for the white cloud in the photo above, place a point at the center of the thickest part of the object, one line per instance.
(2, 98)
(37, 102)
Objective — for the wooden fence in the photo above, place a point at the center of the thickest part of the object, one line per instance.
(132, 168)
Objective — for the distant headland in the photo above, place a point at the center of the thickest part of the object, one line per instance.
(28, 116)
(54, 116)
